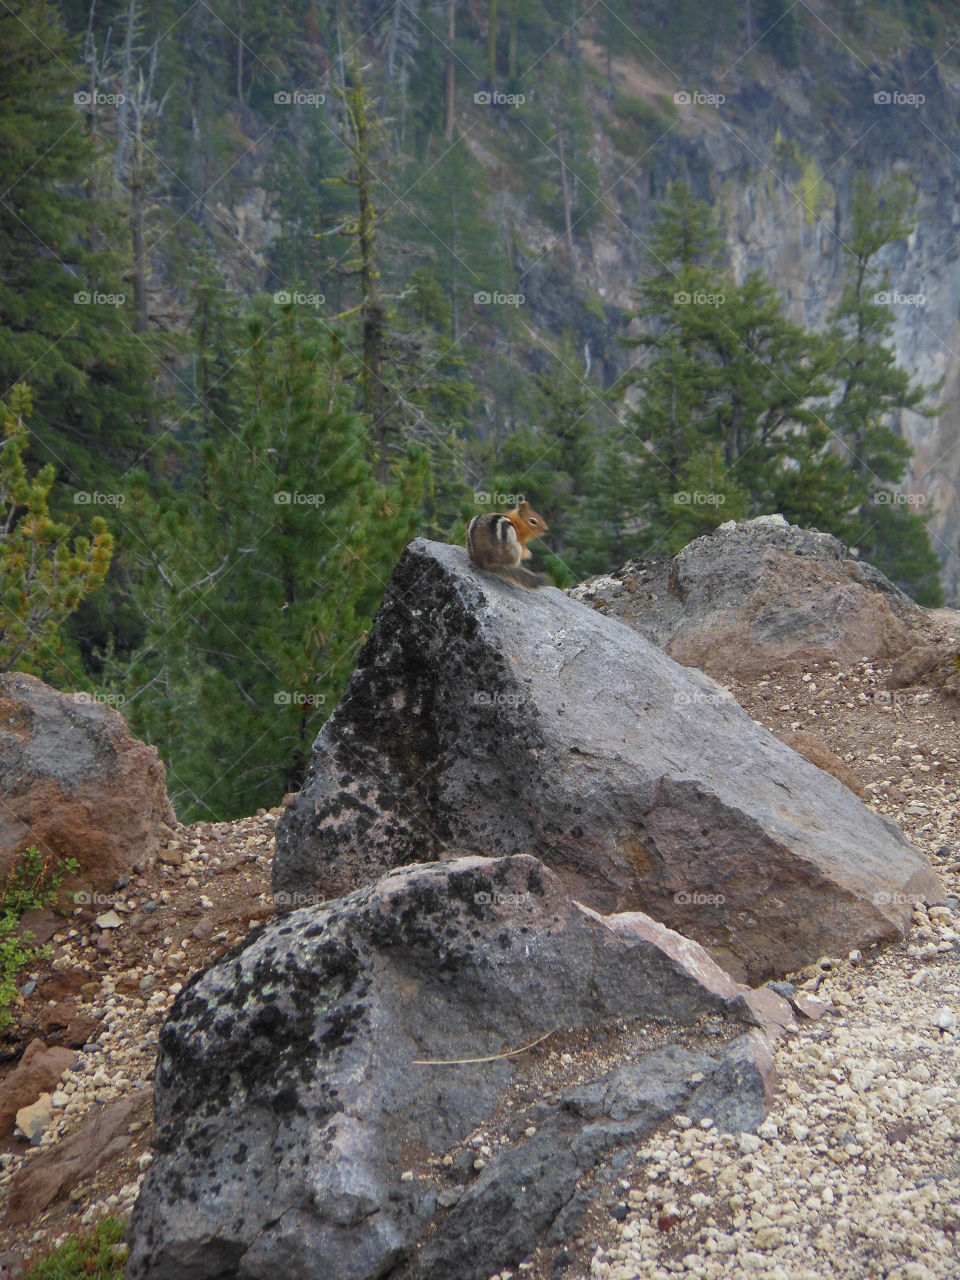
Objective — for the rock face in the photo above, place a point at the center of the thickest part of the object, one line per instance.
(75, 783)
(933, 665)
(343, 1046)
(484, 719)
(37, 1072)
(812, 749)
(51, 1176)
(756, 594)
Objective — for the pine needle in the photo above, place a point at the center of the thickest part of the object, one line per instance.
(493, 1057)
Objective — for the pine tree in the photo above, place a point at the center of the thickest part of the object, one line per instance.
(816, 488)
(875, 390)
(360, 135)
(897, 540)
(778, 28)
(43, 576)
(214, 335)
(727, 375)
(707, 495)
(568, 411)
(605, 529)
(556, 132)
(411, 383)
(273, 583)
(672, 376)
(550, 461)
(872, 385)
(64, 317)
(438, 397)
(303, 181)
(450, 223)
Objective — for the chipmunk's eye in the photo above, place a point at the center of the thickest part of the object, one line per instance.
(534, 520)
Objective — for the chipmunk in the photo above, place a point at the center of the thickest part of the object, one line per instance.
(498, 543)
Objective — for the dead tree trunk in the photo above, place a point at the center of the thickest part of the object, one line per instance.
(449, 72)
(564, 190)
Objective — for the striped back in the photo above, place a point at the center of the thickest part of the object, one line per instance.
(497, 528)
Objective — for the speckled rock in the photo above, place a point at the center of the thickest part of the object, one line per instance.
(530, 1193)
(484, 719)
(302, 1076)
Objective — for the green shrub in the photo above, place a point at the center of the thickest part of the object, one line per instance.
(44, 576)
(638, 123)
(31, 884)
(89, 1255)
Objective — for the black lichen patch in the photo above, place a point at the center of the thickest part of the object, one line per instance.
(340, 1026)
(266, 1021)
(432, 688)
(285, 1101)
(248, 1044)
(535, 881)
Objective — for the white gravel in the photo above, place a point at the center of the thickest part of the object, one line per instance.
(856, 1173)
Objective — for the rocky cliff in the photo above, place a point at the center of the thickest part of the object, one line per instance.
(776, 148)
(779, 155)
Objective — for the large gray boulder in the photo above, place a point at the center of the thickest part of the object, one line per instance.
(757, 593)
(486, 719)
(339, 1047)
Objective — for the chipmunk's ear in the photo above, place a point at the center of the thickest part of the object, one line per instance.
(523, 508)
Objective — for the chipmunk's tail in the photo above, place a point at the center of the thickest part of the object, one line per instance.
(522, 577)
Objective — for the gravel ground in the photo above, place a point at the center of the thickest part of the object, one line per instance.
(209, 885)
(855, 1174)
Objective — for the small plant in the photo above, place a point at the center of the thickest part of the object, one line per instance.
(91, 1255)
(637, 124)
(31, 884)
(44, 576)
